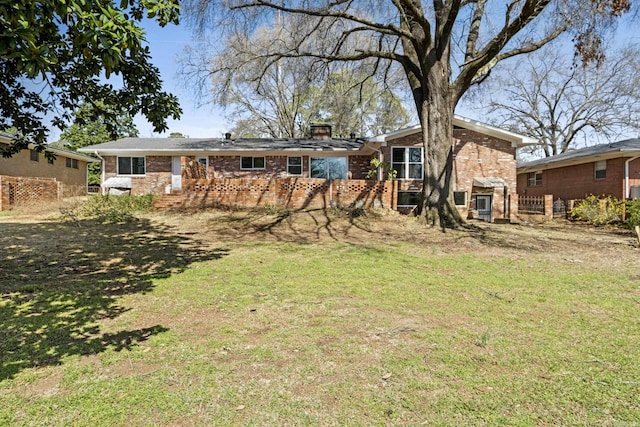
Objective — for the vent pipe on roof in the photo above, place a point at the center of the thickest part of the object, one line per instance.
(352, 135)
(227, 136)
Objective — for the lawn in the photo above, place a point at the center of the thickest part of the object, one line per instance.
(316, 318)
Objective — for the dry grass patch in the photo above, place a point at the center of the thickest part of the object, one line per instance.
(316, 318)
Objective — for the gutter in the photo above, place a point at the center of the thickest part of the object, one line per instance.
(626, 176)
(102, 172)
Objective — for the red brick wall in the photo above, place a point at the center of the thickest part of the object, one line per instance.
(155, 180)
(578, 181)
(19, 191)
(476, 156)
(290, 193)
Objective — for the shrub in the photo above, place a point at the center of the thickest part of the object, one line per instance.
(115, 208)
(598, 210)
(633, 213)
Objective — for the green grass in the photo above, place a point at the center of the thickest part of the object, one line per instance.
(145, 324)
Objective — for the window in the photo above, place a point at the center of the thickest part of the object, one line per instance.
(294, 165)
(460, 198)
(534, 179)
(251, 163)
(131, 166)
(72, 163)
(408, 198)
(329, 167)
(34, 156)
(601, 169)
(407, 161)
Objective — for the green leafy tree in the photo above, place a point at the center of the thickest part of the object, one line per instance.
(91, 127)
(442, 47)
(55, 55)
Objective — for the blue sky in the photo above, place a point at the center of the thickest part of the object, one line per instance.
(166, 44)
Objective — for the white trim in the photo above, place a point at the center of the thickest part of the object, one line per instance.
(253, 168)
(516, 140)
(131, 174)
(301, 166)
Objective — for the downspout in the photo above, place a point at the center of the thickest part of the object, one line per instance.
(102, 173)
(627, 189)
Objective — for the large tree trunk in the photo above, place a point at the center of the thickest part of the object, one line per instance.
(436, 117)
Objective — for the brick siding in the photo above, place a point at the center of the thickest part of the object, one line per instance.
(577, 181)
(476, 156)
(289, 193)
(15, 191)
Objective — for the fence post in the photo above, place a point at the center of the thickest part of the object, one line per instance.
(548, 206)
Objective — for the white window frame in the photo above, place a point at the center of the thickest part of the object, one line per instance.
(346, 164)
(405, 161)
(532, 179)
(466, 199)
(253, 162)
(289, 165)
(144, 159)
(600, 166)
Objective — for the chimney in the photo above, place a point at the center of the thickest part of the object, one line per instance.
(227, 136)
(320, 131)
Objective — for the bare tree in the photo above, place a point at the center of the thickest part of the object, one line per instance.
(429, 39)
(282, 100)
(549, 98)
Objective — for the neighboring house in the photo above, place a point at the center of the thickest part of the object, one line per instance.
(604, 169)
(318, 171)
(68, 168)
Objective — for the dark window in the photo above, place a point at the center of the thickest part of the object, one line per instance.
(294, 165)
(601, 169)
(460, 198)
(131, 166)
(408, 198)
(72, 163)
(534, 179)
(251, 162)
(407, 161)
(34, 156)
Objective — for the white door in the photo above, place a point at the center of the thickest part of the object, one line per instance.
(176, 173)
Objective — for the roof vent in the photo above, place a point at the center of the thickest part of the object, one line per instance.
(227, 136)
(320, 131)
(352, 135)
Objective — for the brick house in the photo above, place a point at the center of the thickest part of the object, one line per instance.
(28, 175)
(317, 171)
(604, 169)
(484, 167)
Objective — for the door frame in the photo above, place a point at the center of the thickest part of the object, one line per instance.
(485, 214)
(176, 173)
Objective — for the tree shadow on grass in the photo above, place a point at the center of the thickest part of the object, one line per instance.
(58, 281)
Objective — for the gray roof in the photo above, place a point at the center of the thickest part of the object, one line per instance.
(186, 145)
(626, 148)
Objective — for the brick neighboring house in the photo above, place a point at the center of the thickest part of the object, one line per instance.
(30, 176)
(604, 169)
(317, 171)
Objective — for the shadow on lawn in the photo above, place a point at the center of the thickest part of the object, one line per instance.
(299, 226)
(57, 281)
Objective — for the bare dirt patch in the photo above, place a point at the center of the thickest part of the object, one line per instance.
(556, 237)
